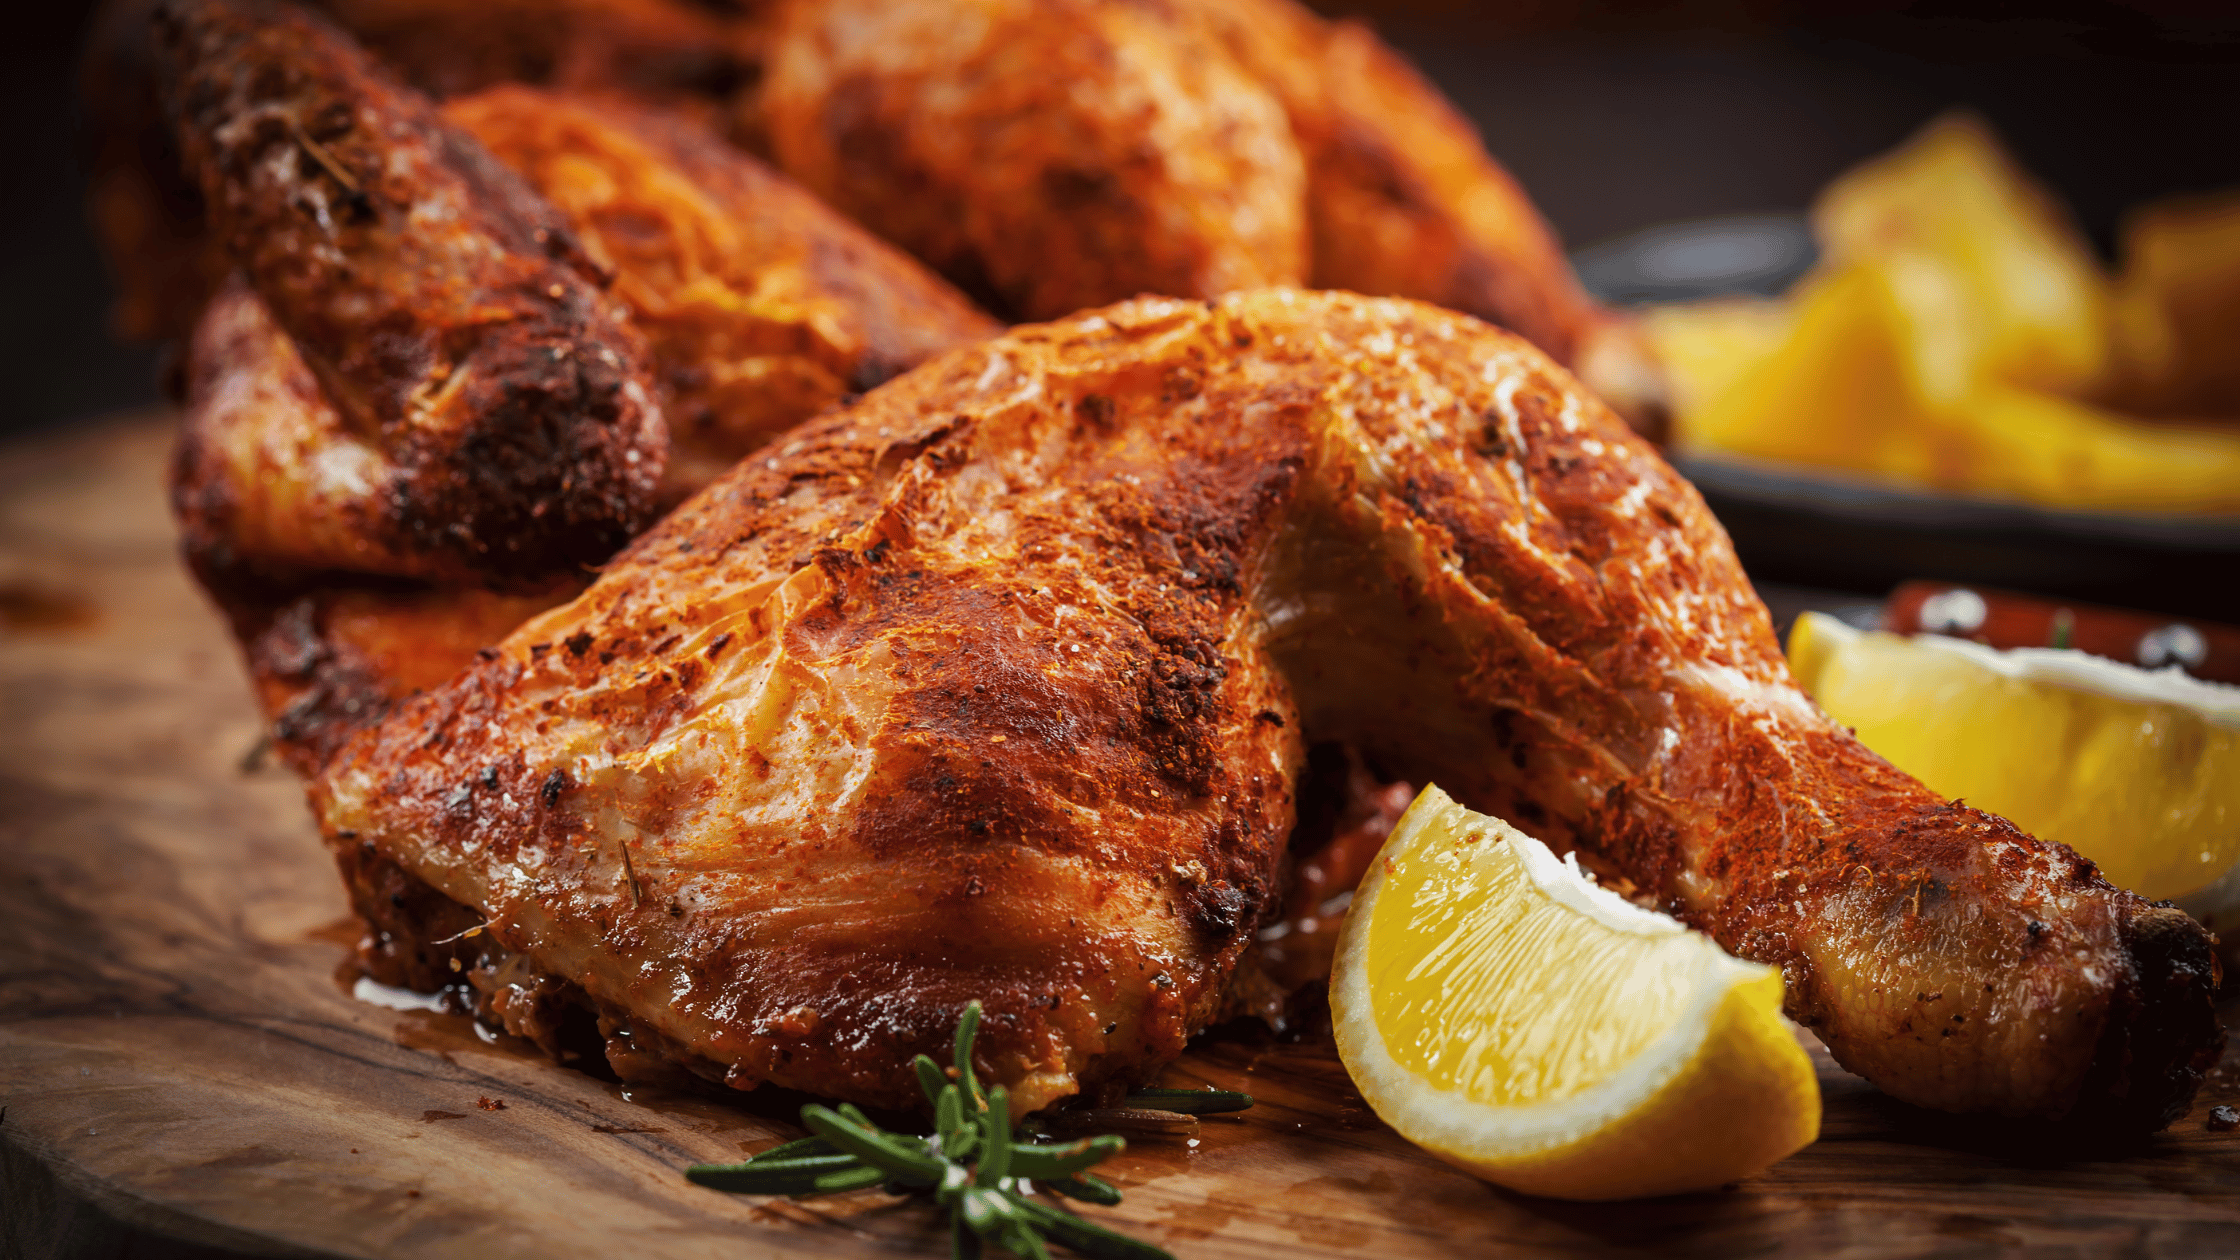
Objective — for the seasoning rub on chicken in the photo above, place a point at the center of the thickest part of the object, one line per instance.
(996, 684)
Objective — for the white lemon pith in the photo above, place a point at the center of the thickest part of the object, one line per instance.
(1503, 1012)
(2138, 771)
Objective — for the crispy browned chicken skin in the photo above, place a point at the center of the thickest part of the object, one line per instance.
(1056, 154)
(759, 307)
(671, 51)
(148, 216)
(442, 307)
(1046, 155)
(994, 686)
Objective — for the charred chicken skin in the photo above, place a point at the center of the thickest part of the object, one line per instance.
(996, 686)
(458, 333)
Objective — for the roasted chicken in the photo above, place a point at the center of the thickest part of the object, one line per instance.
(1054, 154)
(678, 53)
(148, 214)
(743, 306)
(329, 659)
(492, 400)
(761, 306)
(995, 686)
(1045, 154)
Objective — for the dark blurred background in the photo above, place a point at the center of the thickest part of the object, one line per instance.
(1615, 115)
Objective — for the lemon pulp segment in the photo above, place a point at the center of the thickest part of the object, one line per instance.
(1508, 997)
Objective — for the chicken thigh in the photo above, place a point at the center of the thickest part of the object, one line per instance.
(485, 402)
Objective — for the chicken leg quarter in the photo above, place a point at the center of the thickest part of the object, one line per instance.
(996, 686)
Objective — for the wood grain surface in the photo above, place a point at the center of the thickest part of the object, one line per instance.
(183, 1072)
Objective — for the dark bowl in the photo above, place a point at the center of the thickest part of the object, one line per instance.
(1826, 529)
(1811, 526)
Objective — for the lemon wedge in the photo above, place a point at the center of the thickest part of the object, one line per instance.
(2138, 771)
(1503, 1012)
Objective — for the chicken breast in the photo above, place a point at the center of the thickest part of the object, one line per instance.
(995, 686)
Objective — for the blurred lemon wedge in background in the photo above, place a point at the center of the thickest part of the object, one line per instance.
(2138, 771)
(1503, 1012)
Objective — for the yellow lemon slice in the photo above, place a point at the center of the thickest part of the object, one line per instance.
(2138, 771)
(1511, 1017)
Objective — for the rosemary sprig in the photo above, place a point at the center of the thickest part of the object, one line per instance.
(970, 1166)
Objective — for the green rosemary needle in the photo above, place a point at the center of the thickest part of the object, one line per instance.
(970, 1166)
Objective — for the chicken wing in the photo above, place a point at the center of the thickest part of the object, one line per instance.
(995, 686)
(759, 306)
(148, 216)
(443, 309)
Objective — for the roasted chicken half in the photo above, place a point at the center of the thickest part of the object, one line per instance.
(996, 685)
(744, 304)
(1054, 154)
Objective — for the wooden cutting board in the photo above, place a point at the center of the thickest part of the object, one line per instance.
(178, 1058)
